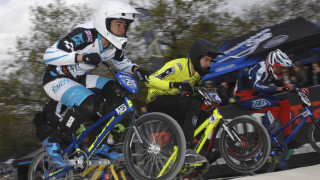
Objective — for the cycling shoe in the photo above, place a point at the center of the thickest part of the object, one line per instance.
(106, 151)
(53, 150)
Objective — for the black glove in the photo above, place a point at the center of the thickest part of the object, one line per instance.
(287, 88)
(183, 86)
(93, 58)
(141, 74)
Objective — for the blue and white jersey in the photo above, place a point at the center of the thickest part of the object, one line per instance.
(83, 39)
(255, 82)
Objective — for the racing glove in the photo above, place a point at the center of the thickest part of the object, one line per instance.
(92, 58)
(287, 88)
(182, 86)
(141, 74)
(305, 91)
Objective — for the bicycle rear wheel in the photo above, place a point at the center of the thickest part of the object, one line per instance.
(314, 136)
(8, 172)
(252, 151)
(165, 152)
(40, 168)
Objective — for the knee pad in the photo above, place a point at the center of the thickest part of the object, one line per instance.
(89, 107)
(112, 90)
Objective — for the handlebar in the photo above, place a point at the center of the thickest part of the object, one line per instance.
(209, 97)
(303, 96)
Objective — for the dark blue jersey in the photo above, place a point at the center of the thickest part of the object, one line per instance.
(255, 82)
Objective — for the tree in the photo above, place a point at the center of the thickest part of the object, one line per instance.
(179, 22)
(275, 12)
(21, 92)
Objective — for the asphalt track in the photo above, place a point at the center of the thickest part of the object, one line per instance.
(304, 164)
(305, 173)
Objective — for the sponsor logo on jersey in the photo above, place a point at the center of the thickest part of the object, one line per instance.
(77, 39)
(166, 73)
(260, 103)
(180, 66)
(62, 82)
(69, 45)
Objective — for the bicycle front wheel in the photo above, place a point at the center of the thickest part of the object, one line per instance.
(269, 166)
(314, 135)
(248, 148)
(164, 152)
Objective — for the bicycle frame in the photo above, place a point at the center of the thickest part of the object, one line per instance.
(209, 124)
(305, 114)
(115, 116)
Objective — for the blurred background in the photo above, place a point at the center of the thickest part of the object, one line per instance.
(171, 24)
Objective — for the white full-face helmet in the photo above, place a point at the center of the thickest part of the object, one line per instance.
(108, 11)
(277, 58)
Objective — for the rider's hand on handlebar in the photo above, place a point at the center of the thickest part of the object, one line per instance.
(141, 74)
(182, 86)
(287, 88)
(305, 91)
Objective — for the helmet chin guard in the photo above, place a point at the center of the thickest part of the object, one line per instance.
(108, 11)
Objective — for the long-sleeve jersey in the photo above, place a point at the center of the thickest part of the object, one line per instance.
(256, 81)
(83, 39)
(178, 70)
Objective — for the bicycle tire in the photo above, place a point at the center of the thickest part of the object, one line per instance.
(254, 149)
(269, 166)
(40, 165)
(145, 163)
(314, 136)
(8, 172)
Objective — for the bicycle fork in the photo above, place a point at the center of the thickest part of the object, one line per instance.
(232, 134)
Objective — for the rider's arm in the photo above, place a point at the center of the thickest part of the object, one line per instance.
(258, 76)
(63, 52)
(124, 64)
(161, 79)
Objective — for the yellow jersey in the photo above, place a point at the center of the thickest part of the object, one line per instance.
(178, 70)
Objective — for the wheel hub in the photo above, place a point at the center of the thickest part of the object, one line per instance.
(154, 149)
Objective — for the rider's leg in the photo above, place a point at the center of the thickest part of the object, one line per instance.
(178, 108)
(70, 93)
(284, 115)
(278, 108)
(112, 93)
(264, 104)
(70, 123)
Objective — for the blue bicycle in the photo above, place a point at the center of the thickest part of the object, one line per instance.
(155, 149)
(279, 148)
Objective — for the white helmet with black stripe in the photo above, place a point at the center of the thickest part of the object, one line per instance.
(277, 58)
(108, 11)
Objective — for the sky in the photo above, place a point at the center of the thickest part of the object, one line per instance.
(15, 18)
